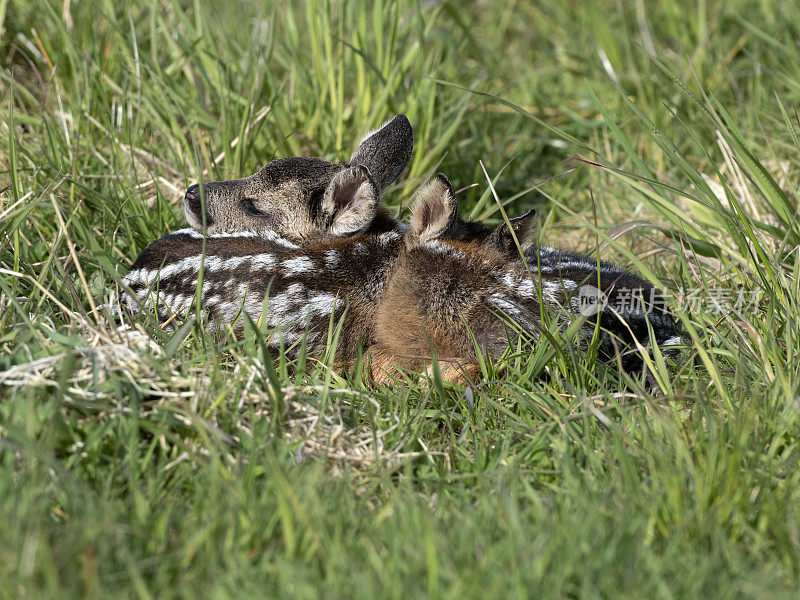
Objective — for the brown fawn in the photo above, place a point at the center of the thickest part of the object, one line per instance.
(446, 295)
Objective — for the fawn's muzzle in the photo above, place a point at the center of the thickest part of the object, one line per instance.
(193, 193)
(192, 203)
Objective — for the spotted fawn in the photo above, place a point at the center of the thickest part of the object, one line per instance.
(294, 244)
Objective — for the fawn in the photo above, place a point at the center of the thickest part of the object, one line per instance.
(446, 294)
(263, 272)
(398, 295)
(252, 229)
(308, 199)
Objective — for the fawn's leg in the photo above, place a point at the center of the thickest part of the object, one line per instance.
(378, 364)
(385, 365)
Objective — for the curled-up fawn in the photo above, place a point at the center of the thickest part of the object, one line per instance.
(254, 228)
(446, 294)
(295, 289)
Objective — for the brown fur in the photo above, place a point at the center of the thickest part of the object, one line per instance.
(433, 301)
(434, 304)
(442, 288)
(446, 296)
(357, 280)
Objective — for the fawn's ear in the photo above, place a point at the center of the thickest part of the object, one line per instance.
(522, 226)
(350, 201)
(386, 152)
(435, 210)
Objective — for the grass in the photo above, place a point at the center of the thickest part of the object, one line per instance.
(138, 463)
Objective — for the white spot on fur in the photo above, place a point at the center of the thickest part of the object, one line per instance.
(391, 236)
(262, 262)
(563, 266)
(332, 258)
(509, 308)
(297, 265)
(550, 289)
(188, 231)
(520, 284)
(526, 288)
(274, 237)
(268, 235)
(281, 304)
(236, 262)
(519, 314)
(190, 263)
(443, 249)
(322, 304)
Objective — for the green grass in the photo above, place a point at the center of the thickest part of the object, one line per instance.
(138, 463)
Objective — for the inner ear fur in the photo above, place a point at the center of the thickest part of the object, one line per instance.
(501, 238)
(435, 210)
(350, 201)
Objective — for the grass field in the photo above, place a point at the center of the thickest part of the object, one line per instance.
(147, 464)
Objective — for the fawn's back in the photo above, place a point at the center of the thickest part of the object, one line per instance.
(296, 290)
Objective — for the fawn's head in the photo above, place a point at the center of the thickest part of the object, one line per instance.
(304, 198)
(435, 218)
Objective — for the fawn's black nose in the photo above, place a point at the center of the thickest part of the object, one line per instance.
(193, 192)
(193, 206)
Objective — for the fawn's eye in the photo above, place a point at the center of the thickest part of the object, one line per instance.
(249, 207)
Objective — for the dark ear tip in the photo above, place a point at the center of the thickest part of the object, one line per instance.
(401, 120)
(399, 125)
(402, 127)
(527, 215)
(443, 178)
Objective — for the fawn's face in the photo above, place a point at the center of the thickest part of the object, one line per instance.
(303, 198)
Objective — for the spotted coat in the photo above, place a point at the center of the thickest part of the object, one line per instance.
(268, 277)
(445, 295)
